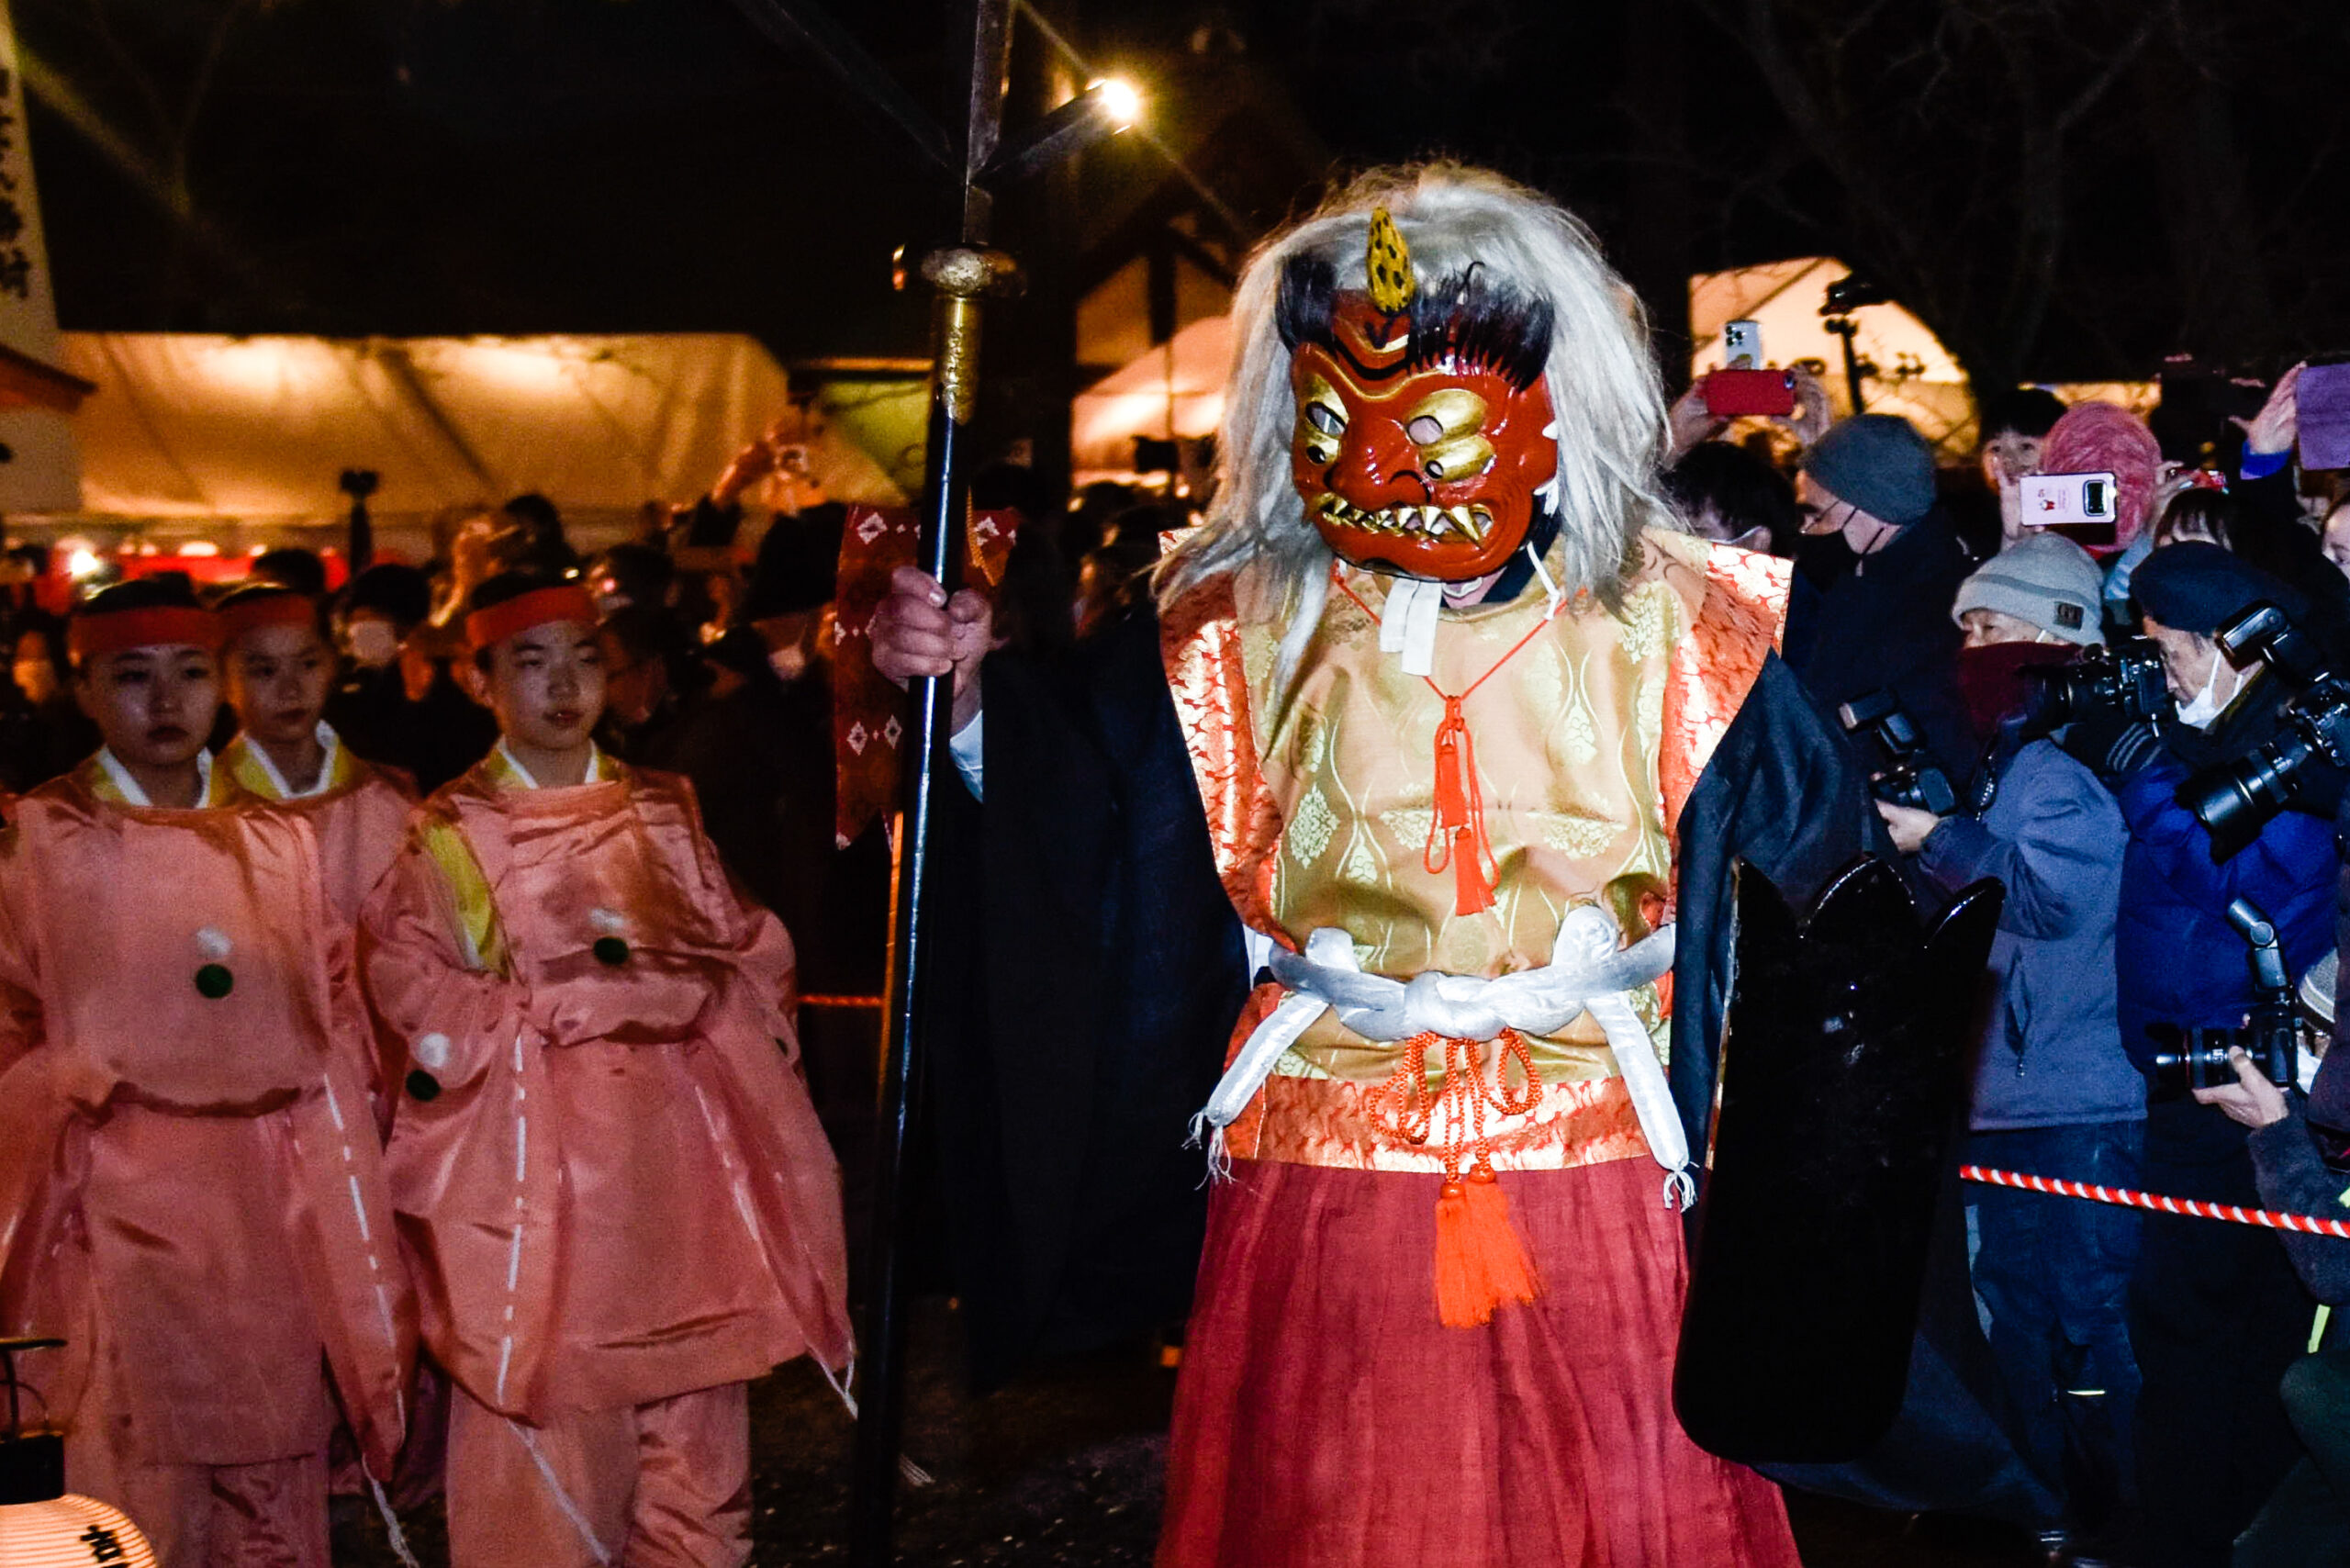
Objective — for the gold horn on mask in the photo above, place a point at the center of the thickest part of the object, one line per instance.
(1388, 261)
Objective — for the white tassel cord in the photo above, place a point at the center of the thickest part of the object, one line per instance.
(915, 1475)
(392, 1526)
(561, 1498)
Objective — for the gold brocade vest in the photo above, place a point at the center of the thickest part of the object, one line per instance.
(1319, 798)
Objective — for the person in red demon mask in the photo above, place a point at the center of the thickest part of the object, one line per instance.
(1472, 728)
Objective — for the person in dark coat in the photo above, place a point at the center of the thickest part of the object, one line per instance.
(2301, 1152)
(42, 733)
(759, 747)
(368, 706)
(2217, 1314)
(1885, 623)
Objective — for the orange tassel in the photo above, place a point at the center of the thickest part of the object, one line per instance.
(1456, 830)
(1479, 1262)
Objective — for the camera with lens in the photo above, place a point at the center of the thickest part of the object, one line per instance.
(2187, 1058)
(2234, 800)
(2123, 680)
(1910, 776)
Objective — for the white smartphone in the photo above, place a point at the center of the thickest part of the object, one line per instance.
(2052, 498)
(1741, 345)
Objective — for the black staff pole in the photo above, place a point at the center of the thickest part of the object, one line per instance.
(961, 276)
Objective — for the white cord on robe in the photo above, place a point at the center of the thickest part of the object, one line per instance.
(391, 1523)
(914, 1474)
(561, 1498)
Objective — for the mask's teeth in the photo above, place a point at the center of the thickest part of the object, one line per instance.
(1480, 523)
(1439, 523)
(1460, 519)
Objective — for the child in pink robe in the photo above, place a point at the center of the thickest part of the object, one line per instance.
(280, 667)
(608, 1175)
(191, 1190)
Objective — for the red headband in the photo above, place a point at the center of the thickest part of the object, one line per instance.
(90, 636)
(564, 601)
(250, 612)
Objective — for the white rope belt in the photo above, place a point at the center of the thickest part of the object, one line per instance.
(1587, 973)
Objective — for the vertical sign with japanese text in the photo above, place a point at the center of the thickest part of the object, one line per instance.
(43, 470)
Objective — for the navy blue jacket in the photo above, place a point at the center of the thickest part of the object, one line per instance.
(2178, 960)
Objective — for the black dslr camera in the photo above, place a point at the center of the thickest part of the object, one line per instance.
(2270, 1034)
(2234, 800)
(1910, 776)
(2125, 679)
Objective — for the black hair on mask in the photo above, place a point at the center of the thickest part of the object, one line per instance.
(1463, 318)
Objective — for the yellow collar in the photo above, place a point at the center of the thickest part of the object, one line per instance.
(252, 769)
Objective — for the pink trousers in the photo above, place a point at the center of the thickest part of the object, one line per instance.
(661, 1486)
(271, 1515)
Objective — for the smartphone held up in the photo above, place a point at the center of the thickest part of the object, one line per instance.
(1743, 386)
(2081, 507)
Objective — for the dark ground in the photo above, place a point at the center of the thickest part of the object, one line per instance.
(1064, 1468)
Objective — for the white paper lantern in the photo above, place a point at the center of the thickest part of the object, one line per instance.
(42, 1525)
(70, 1532)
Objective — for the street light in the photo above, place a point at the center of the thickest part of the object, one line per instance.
(1103, 109)
(1121, 100)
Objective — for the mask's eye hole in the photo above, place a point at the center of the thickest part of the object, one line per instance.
(1425, 430)
(1324, 418)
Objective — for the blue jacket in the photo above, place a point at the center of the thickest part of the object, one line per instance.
(2051, 1053)
(2178, 960)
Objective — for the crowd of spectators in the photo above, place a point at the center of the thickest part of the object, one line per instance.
(2173, 1378)
(2176, 1380)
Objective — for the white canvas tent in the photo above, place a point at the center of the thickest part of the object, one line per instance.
(1915, 378)
(1175, 389)
(240, 440)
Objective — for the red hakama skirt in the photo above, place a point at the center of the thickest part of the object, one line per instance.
(1325, 1419)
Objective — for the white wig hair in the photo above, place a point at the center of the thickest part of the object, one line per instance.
(1603, 383)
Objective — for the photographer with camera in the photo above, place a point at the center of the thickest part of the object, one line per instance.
(2300, 1151)
(2216, 1312)
(2054, 1093)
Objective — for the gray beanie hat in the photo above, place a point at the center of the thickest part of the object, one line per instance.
(2044, 579)
(1880, 463)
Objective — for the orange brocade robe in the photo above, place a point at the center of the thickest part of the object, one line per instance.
(610, 1179)
(189, 1184)
(1326, 1417)
(1588, 741)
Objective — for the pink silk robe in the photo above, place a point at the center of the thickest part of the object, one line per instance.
(613, 1188)
(194, 1181)
(360, 819)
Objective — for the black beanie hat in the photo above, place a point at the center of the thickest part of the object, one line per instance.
(2199, 588)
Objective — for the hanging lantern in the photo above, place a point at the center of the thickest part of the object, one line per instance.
(42, 1525)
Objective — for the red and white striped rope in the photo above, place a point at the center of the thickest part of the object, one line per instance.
(2124, 1196)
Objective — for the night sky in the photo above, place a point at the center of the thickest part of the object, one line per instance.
(411, 166)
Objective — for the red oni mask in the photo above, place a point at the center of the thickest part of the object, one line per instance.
(1424, 426)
